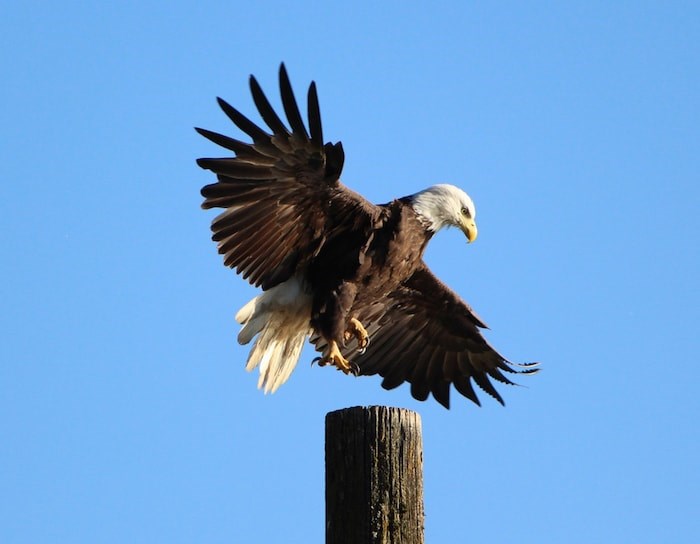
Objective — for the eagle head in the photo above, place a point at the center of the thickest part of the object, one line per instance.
(446, 206)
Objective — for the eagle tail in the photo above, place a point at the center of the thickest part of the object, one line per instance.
(279, 318)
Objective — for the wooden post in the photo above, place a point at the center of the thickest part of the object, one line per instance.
(374, 476)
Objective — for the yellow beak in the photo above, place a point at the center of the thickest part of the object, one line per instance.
(470, 230)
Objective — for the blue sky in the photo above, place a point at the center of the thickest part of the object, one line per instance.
(125, 412)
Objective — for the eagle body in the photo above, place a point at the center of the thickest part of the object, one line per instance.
(336, 269)
(365, 264)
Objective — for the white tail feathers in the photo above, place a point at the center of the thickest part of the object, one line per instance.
(280, 317)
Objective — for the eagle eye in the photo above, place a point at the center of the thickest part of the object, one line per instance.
(465, 212)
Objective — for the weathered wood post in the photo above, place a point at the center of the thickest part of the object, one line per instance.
(374, 476)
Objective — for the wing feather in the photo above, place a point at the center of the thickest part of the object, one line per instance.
(441, 392)
(314, 113)
(281, 193)
(398, 373)
(426, 335)
(242, 122)
(242, 149)
(289, 103)
(420, 390)
(384, 347)
(464, 387)
(266, 111)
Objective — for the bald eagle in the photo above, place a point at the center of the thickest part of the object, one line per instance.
(336, 269)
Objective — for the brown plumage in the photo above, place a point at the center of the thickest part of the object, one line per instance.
(333, 266)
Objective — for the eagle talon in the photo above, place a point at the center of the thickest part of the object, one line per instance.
(356, 329)
(362, 350)
(335, 358)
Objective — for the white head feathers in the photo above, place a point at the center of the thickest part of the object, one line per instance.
(443, 206)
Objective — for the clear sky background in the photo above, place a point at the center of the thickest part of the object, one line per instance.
(125, 411)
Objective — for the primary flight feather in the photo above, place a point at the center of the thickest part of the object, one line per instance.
(336, 269)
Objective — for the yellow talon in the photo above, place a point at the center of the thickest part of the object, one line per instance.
(335, 358)
(356, 329)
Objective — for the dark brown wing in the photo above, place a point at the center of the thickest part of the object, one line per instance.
(426, 335)
(282, 193)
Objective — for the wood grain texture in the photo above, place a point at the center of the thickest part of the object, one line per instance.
(374, 476)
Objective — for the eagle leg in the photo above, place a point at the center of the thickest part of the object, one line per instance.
(332, 356)
(356, 329)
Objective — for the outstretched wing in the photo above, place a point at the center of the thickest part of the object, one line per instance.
(282, 193)
(426, 335)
